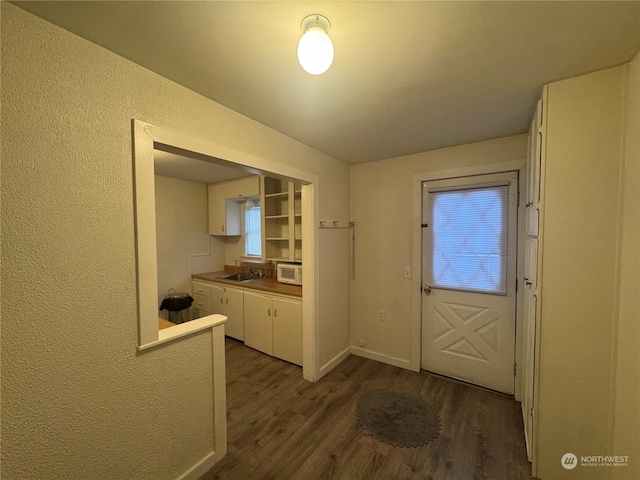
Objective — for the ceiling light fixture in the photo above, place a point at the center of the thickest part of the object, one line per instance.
(315, 49)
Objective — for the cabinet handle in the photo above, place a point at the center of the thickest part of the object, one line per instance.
(275, 312)
(221, 301)
(222, 228)
(269, 312)
(227, 301)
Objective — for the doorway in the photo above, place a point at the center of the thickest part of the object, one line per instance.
(469, 252)
(146, 138)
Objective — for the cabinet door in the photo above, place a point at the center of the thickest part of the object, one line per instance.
(224, 215)
(234, 310)
(217, 299)
(233, 211)
(528, 371)
(243, 187)
(287, 330)
(528, 338)
(216, 210)
(258, 324)
(534, 159)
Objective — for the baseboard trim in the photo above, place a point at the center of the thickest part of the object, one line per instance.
(331, 364)
(200, 468)
(396, 362)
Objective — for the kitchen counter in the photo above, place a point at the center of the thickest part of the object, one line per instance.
(162, 323)
(269, 284)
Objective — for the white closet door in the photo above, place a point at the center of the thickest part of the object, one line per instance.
(533, 172)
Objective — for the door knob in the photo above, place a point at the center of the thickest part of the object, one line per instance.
(426, 289)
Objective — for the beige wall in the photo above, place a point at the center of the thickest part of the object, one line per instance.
(182, 240)
(581, 219)
(627, 400)
(382, 206)
(78, 401)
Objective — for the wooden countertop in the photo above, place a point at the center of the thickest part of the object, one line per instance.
(269, 284)
(162, 323)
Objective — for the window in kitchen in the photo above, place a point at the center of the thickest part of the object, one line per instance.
(252, 229)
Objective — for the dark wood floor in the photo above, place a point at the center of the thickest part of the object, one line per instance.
(283, 427)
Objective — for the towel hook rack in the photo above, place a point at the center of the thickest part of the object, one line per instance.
(335, 225)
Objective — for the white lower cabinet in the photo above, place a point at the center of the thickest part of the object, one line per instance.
(201, 306)
(234, 310)
(258, 322)
(273, 325)
(229, 302)
(287, 330)
(210, 299)
(269, 323)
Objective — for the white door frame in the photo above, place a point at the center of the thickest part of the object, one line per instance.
(416, 281)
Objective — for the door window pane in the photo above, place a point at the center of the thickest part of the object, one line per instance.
(467, 234)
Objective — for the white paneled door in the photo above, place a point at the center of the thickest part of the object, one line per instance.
(469, 234)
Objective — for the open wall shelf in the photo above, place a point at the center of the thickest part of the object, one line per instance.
(282, 220)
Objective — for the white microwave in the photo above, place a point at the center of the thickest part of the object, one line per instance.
(290, 273)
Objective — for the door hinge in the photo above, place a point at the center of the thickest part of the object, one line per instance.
(531, 412)
(514, 369)
(518, 198)
(424, 225)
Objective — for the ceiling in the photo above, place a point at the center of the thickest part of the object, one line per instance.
(407, 77)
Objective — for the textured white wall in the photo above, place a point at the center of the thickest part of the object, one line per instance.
(382, 206)
(77, 400)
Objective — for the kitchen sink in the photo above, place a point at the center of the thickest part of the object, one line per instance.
(239, 277)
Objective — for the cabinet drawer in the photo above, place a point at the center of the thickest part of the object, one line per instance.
(201, 302)
(200, 289)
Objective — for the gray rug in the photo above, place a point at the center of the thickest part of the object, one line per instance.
(398, 418)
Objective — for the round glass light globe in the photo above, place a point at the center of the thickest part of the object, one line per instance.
(315, 51)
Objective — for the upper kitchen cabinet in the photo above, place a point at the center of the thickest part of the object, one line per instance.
(225, 204)
(224, 215)
(281, 220)
(243, 187)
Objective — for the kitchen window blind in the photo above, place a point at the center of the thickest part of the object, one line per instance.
(467, 239)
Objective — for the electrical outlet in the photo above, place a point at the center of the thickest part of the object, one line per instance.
(362, 343)
(381, 315)
(407, 272)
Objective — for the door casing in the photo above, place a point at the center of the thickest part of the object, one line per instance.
(416, 284)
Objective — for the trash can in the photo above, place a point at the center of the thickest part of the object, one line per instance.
(177, 306)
